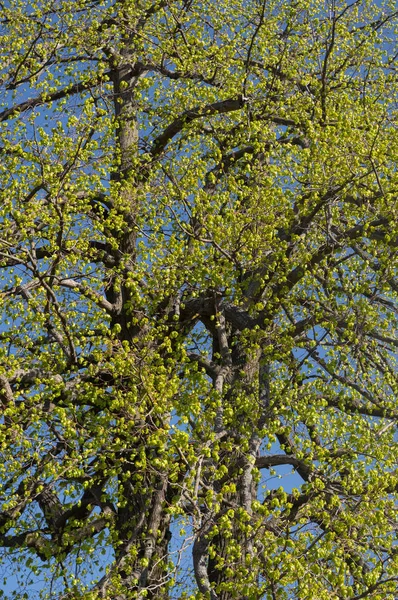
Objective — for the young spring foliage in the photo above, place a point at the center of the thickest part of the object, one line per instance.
(198, 252)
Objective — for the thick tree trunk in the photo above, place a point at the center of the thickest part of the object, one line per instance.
(142, 527)
(142, 556)
(229, 553)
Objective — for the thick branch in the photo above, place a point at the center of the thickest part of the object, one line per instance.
(216, 108)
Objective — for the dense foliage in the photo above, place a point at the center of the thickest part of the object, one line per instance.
(198, 251)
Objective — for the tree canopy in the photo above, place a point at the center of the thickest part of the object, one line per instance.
(198, 252)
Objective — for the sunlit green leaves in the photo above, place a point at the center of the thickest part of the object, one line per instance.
(198, 241)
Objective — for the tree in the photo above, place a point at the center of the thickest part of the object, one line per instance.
(198, 251)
